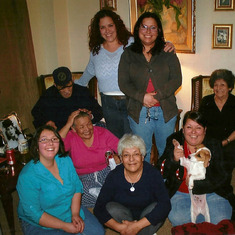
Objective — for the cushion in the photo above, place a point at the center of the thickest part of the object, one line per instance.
(223, 227)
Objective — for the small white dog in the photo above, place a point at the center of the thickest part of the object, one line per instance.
(196, 164)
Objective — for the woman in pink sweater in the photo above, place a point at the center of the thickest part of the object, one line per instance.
(87, 145)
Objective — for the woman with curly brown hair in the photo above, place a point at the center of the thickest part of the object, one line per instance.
(108, 37)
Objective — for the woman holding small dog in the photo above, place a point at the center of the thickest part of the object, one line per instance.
(217, 193)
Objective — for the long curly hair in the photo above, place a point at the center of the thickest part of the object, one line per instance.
(95, 38)
(137, 46)
(34, 152)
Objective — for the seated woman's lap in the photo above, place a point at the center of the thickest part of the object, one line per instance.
(219, 209)
(92, 227)
(120, 213)
(92, 184)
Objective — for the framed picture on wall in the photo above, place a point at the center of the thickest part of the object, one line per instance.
(224, 5)
(222, 36)
(108, 4)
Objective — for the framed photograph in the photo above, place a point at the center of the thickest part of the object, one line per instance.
(224, 5)
(108, 4)
(178, 21)
(222, 36)
(11, 129)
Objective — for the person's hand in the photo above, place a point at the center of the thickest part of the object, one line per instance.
(131, 228)
(169, 47)
(149, 100)
(71, 117)
(70, 228)
(178, 150)
(78, 222)
(51, 123)
(87, 111)
(116, 158)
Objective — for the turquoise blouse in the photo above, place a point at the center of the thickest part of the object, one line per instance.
(39, 191)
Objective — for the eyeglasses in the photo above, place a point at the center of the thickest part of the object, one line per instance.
(134, 155)
(144, 28)
(62, 88)
(46, 141)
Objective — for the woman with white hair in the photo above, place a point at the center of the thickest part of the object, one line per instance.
(133, 199)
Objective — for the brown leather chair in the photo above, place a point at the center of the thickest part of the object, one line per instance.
(46, 81)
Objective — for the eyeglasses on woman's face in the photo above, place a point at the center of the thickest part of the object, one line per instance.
(144, 28)
(46, 141)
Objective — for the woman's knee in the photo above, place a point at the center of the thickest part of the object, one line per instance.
(119, 212)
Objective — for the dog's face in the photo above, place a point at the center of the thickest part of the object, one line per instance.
(202, 154)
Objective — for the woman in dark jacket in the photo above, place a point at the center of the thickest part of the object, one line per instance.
(218, 193)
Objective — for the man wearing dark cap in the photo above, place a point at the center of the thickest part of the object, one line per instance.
(59, 101)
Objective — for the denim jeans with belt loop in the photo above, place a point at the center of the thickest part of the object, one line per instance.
(154, 125)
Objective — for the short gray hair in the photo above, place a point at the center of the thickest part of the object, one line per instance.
(81, 114)
(130, 141)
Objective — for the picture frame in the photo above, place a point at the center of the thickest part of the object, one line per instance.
(182, 38)
(222, 36)
(10, 127)
(224, 5)
(108, 4)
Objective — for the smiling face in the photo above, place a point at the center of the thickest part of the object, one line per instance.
(132, 160)
(66, 91)
(108, 29)
(194, 133)
(47, 151)
(148, 33)
(221, 89)
(83, 127)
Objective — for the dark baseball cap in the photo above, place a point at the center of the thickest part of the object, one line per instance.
(62, 76)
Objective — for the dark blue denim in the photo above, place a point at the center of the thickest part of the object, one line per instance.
(115, 115)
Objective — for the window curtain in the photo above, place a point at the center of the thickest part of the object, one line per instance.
(18, 73)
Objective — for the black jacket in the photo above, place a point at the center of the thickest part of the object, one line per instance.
(51, 106)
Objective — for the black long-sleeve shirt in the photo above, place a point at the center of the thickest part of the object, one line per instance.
(150, 188)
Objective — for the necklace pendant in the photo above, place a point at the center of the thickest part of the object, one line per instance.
(132, 189)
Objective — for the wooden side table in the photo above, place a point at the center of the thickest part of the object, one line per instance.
(8, 181)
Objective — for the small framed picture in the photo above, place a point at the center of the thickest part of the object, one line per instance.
(222, 36)
(108, 4)
(224, 5)
(11, 129)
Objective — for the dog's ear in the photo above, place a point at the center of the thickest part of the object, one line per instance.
(207, 157)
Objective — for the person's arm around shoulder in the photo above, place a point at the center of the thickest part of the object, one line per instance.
(64, 131)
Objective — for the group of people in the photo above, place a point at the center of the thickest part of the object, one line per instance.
(137, 78)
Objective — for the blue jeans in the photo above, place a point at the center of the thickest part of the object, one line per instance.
(156, 125)
(219, 209)
(92, 227)
(120, 213)
(115, 115)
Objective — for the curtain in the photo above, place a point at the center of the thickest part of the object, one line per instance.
(18, 73)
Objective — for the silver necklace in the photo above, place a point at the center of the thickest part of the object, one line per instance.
(132, 188)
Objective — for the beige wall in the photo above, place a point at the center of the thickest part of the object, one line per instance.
(59, 29)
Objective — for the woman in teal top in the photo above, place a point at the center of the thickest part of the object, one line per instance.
(50, 191)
